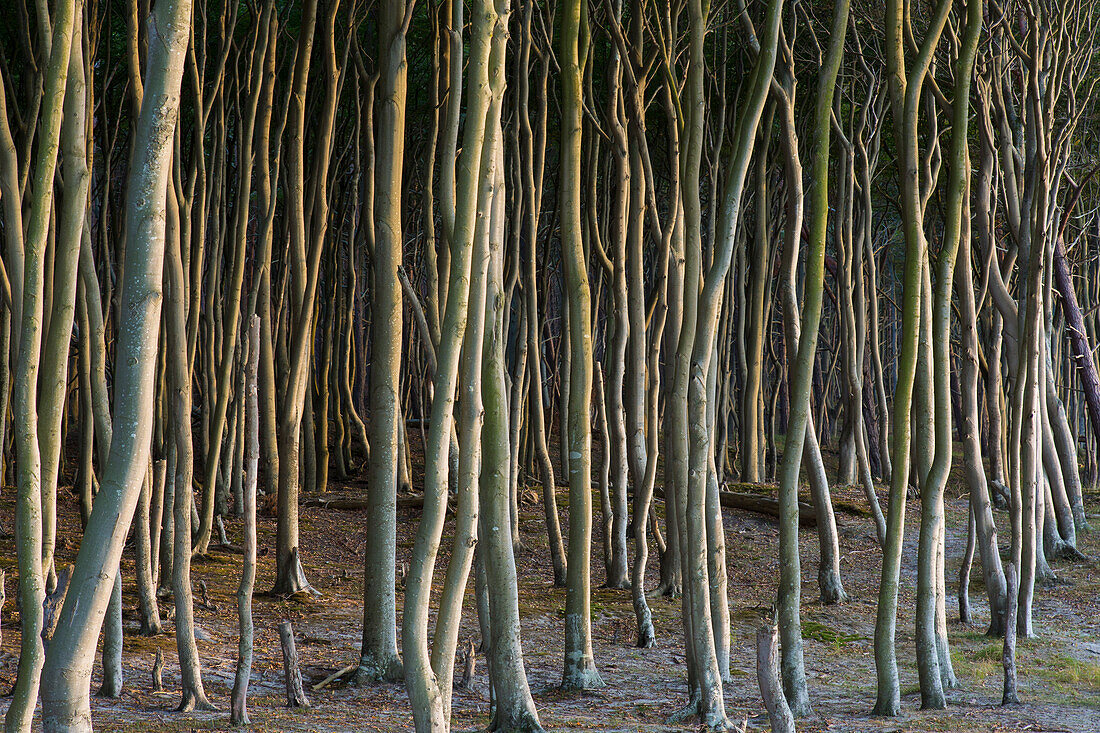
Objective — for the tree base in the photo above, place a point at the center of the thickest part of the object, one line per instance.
(800, 705)
(887, 708)
(687, 712)
(291, 579)
(194, 700)
(150, 629)
(716, 721)
(377, 670)
(669, 589)
(1081, 524)
(524, 723)
(935, 701)
(1066, 551)
(831, 588)
(581, 676)
(110, 690)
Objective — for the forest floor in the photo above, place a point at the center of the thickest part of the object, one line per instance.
(1059, 670)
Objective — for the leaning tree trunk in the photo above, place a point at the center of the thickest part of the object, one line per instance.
(476, 170)
(68, 667)
(1082, 355)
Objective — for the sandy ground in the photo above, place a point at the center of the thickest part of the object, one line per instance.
(1060, 669)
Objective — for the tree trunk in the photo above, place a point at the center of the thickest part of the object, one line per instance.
(378, 654)
(238, 706)
(68, 665)
(515, 708)
(580, 668)
(29, 521)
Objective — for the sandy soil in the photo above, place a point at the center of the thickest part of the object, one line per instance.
(1060, 670)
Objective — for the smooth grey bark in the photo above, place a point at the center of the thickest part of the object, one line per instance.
(61, 306)
(830, 585)
(68, 666)
(238, 711)
(790, 581)
(179, 385)
(307, 239)
(1010, 695)
(28, 456)
(580, 668)
(143, 551)
(615, 354)
(985, 529)
(466, 534)
(767, 674)
(476, 181)
(111, 656)
(905, 97)
(378, 658)
(933, 658)
(515, 708)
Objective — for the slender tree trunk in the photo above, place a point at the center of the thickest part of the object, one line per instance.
(985, 531)
(905, 95)
(378, 654)
(933, 659)
(515, 708)
(239, 699)
(179, 384)
(793, 668)
(580, 667)
(68, 667)
(29, 521)
(476, 183)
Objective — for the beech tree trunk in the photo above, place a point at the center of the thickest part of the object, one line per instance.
(68, 666)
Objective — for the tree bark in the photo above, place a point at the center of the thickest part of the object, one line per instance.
(580, 668)
(67, 671)
(238, 709)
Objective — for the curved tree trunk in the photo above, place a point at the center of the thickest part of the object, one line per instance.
(29, 521)
(68, 667)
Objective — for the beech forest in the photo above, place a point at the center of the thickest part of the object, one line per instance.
(550, 365)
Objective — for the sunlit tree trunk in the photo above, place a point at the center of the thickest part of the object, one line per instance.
(378, 658)
(515, 708)
(905, 97)
(475, 183)
(29, 520)
(580, 667)
(933, 660)
(67, 672)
